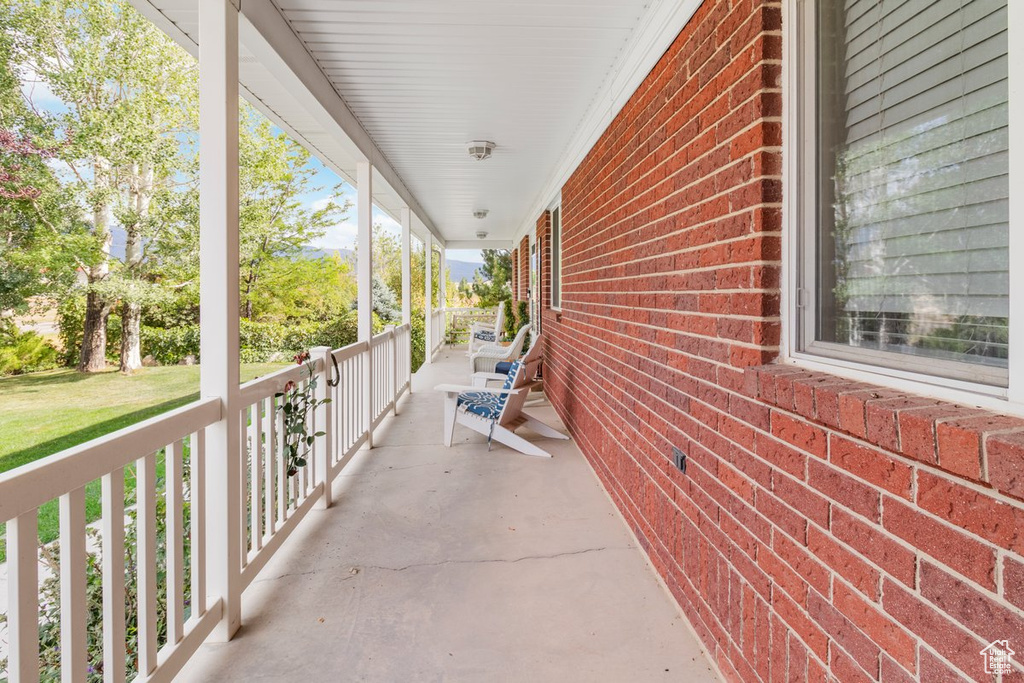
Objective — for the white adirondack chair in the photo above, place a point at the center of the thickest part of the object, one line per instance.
(487, 356)
(485, 361)
(487, 333)
(496, 413)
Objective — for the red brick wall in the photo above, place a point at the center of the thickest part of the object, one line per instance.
(823, 529)
(544, 261)
(524, 270)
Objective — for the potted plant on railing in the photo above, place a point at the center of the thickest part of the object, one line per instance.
(296, 403)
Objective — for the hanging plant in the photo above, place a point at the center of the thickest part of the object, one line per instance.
(296, 404)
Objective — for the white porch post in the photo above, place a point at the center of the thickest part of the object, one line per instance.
(428, 298)
(406, 287)
(364, 224)
(219, 298)
(406, 265)
(442, 280)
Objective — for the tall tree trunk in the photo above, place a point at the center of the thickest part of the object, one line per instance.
(93, 355)
(131, 337)
(250, 284)
(131, 309)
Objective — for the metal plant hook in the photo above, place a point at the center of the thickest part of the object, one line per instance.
(337, 373)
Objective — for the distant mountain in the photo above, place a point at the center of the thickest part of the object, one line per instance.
(456, 269)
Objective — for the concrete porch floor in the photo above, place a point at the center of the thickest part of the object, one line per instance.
(458, 564)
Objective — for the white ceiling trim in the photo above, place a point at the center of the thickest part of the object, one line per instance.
(662, 23)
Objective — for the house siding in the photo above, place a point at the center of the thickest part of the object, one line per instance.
(823, 529)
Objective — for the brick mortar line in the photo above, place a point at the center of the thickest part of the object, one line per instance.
(668, 216)
(696, 314)
(685, 250)
(638, 163)
(717, 364)
(603, 210)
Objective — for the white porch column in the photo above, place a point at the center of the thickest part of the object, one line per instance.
(428, 298)
(406, 265)
(364, 278)
(218, 297)
(364, 223)
(442, 295)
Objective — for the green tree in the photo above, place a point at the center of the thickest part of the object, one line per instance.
(274, 173)
(298, 289)
(40, 232)
(491, 282)
(128, 94)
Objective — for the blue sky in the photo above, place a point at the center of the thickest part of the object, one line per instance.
(343, 235)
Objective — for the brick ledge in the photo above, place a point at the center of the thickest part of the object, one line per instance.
(976, 444)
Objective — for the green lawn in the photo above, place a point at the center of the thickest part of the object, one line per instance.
(46, 412)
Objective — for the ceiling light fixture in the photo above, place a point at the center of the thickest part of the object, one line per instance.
(481, 234)
(482, 213)
(480, 149)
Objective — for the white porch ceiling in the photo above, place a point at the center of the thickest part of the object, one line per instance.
(426, 77)
(419, 79)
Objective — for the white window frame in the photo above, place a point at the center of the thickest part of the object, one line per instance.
(556, 255)
(798, 103)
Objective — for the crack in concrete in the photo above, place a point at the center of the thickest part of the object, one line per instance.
(385, 470)
(291, 574)
(491, 561)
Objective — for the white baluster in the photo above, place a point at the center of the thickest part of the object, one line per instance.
(112, 530)
(23, 597)
(175, 479)
(145, 491)
(197, 502)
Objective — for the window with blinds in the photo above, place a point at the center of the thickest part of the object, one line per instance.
(912, 176)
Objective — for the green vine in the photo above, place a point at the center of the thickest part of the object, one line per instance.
(297, 401)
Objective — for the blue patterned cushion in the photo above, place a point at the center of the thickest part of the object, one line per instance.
(513, 370)
(503, 367)
(484, 336)
(483, 403)
(486, 404)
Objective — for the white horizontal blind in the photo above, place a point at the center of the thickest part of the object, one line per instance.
(917, 177)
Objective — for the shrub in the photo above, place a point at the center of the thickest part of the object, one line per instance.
(22, 352)
(171, 345)
(417, 339)
(510, 319)
(341, 331)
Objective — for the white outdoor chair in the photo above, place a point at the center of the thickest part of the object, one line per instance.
(484, 371)
(496, 413)
(487, 333)
(486, 357)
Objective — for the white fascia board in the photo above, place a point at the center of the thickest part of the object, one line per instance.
(660, 26)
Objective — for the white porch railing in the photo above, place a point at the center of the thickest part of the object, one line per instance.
(459, 321)
(437, 330)
(370, 378)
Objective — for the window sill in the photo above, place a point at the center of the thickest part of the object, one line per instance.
(974, 443)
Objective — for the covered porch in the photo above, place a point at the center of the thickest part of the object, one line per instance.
(457, 564)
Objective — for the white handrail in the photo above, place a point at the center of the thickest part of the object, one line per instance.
(32, 485)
